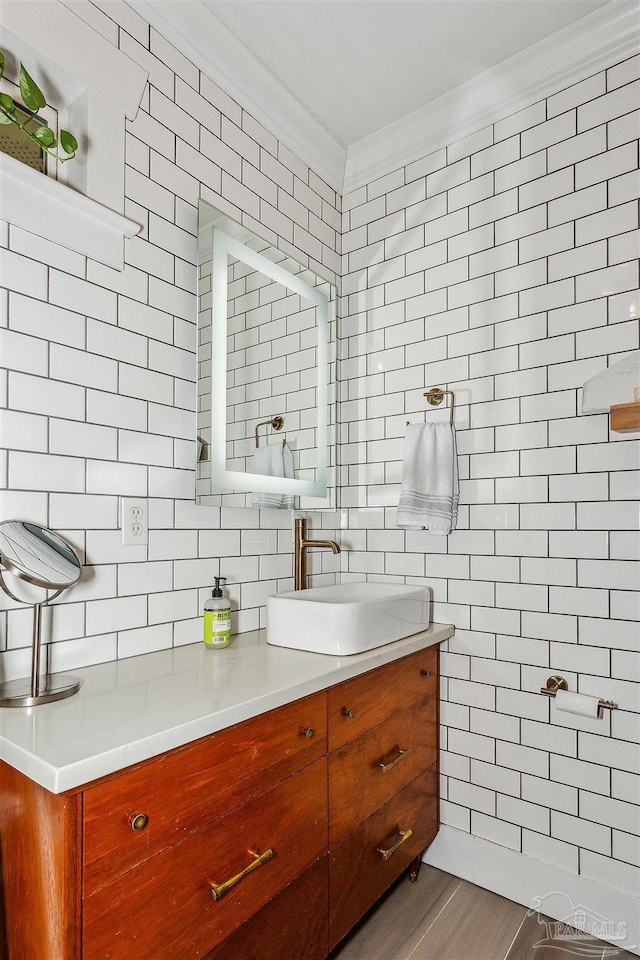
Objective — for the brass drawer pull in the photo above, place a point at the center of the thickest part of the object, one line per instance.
(308, 732)
(404, 835)
(219, 890)
(139, 821)
(346, 712)
(385, 767)
(425, 673)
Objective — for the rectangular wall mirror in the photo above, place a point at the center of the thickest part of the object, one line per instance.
(266, 373)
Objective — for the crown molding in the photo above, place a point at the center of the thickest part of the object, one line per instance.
(216, 51)
(597, 41)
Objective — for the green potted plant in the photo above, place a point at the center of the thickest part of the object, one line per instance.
(25, 118)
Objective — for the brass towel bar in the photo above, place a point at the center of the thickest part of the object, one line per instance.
(276, 422)
(436, 395)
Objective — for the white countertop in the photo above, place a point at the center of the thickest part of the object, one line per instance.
(130, 710)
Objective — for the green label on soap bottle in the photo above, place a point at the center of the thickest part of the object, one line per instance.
(217, 628)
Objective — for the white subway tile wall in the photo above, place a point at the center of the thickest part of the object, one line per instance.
(98, 375)
(501, 268)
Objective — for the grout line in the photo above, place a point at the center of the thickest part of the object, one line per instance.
(435, 919)
(515, 936)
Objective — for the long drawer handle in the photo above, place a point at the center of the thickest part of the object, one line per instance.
(385, 767)
(404, 835)
(219, 890)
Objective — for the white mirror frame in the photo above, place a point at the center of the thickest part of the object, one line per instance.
(223, 480)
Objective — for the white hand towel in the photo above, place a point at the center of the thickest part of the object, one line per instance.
(288, 499)
(429, 489)
(274, 460)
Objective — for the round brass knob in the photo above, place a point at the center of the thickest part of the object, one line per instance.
(139, 821)
(425, 673)
(348, 713)
(308, 732)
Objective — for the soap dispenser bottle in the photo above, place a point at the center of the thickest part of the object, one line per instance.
(217, 619)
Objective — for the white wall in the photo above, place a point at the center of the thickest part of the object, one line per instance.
(99, 367)
(505, 268)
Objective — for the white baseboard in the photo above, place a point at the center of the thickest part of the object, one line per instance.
(540, 885)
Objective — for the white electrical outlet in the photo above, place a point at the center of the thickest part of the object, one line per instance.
(134, 520)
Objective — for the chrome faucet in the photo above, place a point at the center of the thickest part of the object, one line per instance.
(301, 547)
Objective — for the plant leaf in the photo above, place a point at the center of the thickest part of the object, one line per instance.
(1, 63)
(45, 136)
(7, 104)
(68, 142)
(30, 91)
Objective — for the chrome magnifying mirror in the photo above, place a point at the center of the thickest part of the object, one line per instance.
(42, 558)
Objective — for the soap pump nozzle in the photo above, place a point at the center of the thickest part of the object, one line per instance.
(217, 590)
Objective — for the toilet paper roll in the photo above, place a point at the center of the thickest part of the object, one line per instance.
(577, 703)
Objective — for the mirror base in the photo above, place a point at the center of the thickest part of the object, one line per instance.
(17, 693)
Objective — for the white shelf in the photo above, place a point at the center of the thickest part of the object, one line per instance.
(613, 385)
(94, 87)
(43, 206)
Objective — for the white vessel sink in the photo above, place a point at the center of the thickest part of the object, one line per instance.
(346, 618)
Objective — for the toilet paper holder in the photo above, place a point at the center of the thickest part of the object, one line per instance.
(555, 683)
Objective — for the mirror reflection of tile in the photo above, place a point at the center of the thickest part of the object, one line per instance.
(272, 364)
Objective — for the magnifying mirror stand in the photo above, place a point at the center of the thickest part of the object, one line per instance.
(33, 690)
(33, 553)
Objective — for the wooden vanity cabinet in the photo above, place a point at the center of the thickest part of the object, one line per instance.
(40, 856)
(185, 789)
(358, 705)
(341, 788)
(383, 781)
(292, 925)
(359, 873)
(164, 909)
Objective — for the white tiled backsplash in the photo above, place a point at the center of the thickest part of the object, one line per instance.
(504, 267)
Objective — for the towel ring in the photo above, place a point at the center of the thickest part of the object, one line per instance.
(436, 395)
(276, 422)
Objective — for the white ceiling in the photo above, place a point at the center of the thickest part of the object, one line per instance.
(358, 65)
(357, 88)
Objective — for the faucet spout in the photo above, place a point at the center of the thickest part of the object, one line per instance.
(329, 544)
(302, 544)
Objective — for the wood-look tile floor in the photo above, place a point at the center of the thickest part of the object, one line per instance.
(440, 917)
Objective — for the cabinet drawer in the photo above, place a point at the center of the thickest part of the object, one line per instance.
(188, 788)
(356, 705)
(358, 873)
(293, 926)
(367, 771)
(164, 908)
